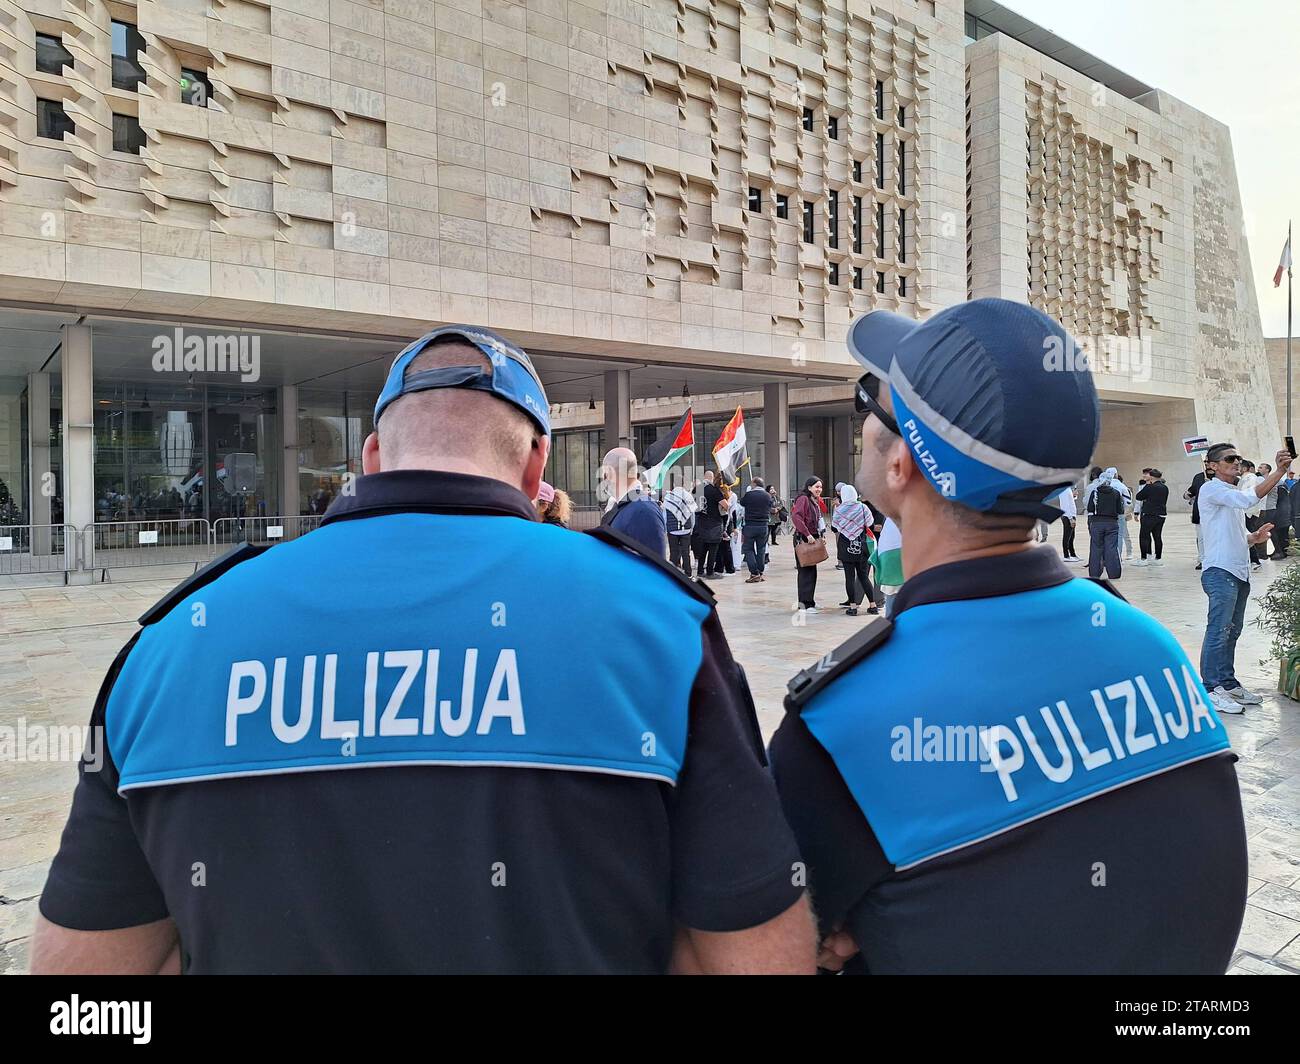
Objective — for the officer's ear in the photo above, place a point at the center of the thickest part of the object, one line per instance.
(370, 455)
(534, 467)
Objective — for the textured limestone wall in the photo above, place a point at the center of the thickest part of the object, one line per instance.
(1121, 218)
(575, 172)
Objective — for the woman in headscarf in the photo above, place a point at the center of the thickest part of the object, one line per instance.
(852, 522)
(808, 525)
(679, 515)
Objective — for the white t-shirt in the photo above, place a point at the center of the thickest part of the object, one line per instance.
(1067, 504)
(1223, 527)
(1247, 482)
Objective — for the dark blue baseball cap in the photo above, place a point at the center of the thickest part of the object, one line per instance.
(511, 375)
(993, 397)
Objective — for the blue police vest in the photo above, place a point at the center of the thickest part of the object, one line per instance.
(976, 717)
(414, 639)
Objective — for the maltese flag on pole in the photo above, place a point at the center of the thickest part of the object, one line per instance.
(1285, 264)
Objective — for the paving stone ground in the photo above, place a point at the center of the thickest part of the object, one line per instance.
(57, 642)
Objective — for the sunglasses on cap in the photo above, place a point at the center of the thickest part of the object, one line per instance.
(866, 400)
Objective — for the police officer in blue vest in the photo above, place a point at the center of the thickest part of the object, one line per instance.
(420, 738)
(1020, 772)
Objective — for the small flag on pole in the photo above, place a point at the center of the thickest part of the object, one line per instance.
(729, 451)
(1285, 264)
(660, 455)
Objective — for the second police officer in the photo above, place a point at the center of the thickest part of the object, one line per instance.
(1024, 773)
(384, 749)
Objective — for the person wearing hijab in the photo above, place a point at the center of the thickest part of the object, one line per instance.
(808, 525)
(852, 521)
(679, 512)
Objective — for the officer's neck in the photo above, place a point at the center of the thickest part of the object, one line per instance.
(931, 539)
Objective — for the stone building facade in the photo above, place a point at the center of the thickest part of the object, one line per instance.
(640, 191)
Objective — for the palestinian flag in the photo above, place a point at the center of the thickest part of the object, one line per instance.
(729, 452)
(889, 556)
(1284, 266)
(660, 455)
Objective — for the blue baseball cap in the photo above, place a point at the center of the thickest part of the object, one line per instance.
(993, 397)
(511, 375)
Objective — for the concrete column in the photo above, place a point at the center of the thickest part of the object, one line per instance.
(78, 480)
(776, 437)
(39, 485)
(618, 408)
(286, 403)
(842, 450)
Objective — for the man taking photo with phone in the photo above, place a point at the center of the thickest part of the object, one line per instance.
(1226, 575)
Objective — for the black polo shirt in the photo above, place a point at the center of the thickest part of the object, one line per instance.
(1171, 849)
(442, 868)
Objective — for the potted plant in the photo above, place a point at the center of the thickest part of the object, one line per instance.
(1279, 616)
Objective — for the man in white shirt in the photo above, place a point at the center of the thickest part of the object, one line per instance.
(1069, 514)
(1226, 573)
(1249, 478)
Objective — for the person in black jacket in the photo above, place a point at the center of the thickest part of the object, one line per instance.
(1154, 497)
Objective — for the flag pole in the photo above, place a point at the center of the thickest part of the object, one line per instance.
(1288, 336)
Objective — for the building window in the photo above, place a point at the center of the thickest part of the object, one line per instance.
(880, 100)
(51, 56)
(902, 284)
(755, 200)
(834, 210)
(902, 116)
(196, 89)
(902, 167)
(880, 282)
(857, 169)
(807, 221)
(857, 278)
(782, 206)
(835, 273)
(127, 45)
(880, 160)
(902, 235)
(808, 119)
(127, 134)
(52, 121)
(857, 225)
(833, 127)
(880, 230)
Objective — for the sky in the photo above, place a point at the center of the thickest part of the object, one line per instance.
(1239, 62)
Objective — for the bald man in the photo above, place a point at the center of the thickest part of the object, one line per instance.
(630, 509)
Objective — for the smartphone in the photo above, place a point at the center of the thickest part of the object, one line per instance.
(1290, 445)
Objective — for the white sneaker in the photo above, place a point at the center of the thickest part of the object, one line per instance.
(1156, 561)
(811, 609)
(1140, 562)
(1072, 561)
(1246, 698)
(1224, 702)
(1255, 567)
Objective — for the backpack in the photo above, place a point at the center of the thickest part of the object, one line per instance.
(1106, 501)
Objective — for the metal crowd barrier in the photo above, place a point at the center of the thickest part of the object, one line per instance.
(109, 545)
(261, 530)
(29, 550)
(582, 518)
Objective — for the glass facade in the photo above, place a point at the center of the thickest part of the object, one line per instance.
(13, 451)
(331, 431)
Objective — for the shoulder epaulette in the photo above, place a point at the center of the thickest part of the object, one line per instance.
(616, 538)
(215, 568)
(1101, 581)
(830, 666)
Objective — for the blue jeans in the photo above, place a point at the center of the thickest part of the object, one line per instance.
(1228, 597)
(754, 539)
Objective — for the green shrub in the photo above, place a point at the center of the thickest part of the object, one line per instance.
(1279, 613)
